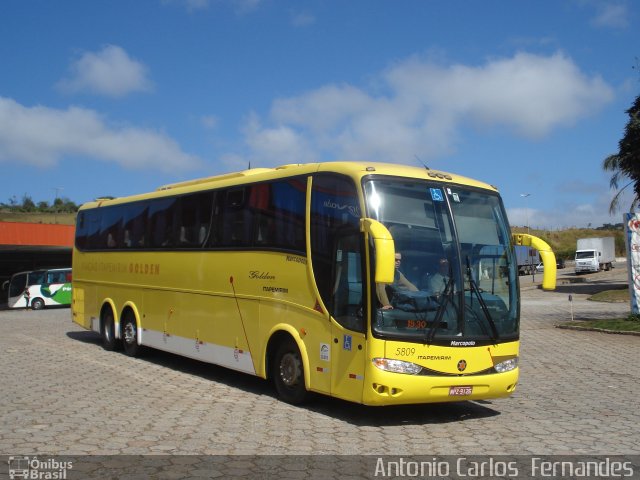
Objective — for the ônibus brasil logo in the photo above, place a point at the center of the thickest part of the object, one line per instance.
(34, 468)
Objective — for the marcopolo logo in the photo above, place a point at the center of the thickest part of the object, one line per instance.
(35, 468)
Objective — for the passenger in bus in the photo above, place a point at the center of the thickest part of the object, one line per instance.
(385, 291)
(438, 281)
(111, 241)
(127, 239)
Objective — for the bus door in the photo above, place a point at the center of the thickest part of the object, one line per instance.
(18, 290)
(336, 246)
(348, 320)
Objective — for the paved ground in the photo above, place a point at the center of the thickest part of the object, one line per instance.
(63, 394)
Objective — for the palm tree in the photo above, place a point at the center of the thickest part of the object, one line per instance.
(625, 164)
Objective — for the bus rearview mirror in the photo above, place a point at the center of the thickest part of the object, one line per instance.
(384, 249)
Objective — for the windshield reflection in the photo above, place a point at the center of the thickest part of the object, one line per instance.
(455, 279)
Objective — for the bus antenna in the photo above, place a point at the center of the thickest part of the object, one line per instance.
(423, 164)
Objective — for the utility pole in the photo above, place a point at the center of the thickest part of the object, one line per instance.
(526, 209)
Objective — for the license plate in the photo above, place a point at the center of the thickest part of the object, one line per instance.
(460, 391)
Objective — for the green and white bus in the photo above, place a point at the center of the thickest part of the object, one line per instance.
(37, 289)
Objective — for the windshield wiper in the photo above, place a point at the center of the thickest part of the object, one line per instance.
(447, 297)
(483, 305)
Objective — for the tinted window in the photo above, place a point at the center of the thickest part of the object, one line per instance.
(235, 219)
(193, 219)
(134, 220)
(269, 215)
(87, 229)
(265, 215)
(278, 211)
(110, 227)
(161, 223)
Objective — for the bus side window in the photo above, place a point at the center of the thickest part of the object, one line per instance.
(110, 227)
(90, 239)
(277, 210)
(134, 220)
(289, 199)
(235, 219)
(194, 218)
(161, 214)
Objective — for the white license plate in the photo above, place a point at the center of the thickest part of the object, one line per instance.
(460, 391)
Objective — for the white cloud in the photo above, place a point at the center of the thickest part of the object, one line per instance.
(41, 136)
(566, 214)
(423, 106)
(210, 122)
(612, 15)
(278, 144)
(108, 72)
(302, 19)
(240, 6)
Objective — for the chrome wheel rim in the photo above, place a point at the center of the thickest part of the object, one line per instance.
(290, 369)
(129, 333)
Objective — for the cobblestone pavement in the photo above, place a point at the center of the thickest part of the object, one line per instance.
(63, 394)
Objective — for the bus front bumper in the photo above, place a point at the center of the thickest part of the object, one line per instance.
(387, 388)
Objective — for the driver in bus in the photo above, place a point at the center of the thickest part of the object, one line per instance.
(400, 283)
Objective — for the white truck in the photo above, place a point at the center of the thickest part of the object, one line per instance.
(595, 254)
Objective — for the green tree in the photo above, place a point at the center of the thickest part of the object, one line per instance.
(625, 164)
(27, 204)
(69, 206)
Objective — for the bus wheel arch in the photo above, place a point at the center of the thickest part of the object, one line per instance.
(108, 328)
(286, 367)
(130, 332)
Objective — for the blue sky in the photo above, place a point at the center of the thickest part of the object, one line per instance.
(119, 97)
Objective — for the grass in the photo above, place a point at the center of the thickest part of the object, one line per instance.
(612, 296)
(615, 325)
(59, 218)
(629, 324)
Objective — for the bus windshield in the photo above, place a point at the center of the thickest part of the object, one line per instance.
(456, 278)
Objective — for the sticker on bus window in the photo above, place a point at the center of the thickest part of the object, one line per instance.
(436, 195)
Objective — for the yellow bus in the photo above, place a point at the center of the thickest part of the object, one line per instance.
(374, 283)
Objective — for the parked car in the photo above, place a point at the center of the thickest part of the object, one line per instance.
(559, 264)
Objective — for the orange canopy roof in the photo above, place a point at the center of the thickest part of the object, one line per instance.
(17, 233)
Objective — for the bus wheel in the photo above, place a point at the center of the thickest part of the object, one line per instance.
(37, 304)
(130, 335)
(288, 373)
(107, 331)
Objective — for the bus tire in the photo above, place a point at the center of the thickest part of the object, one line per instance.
(107, 330)
(288, 373)
(129, 335)
(37, 304)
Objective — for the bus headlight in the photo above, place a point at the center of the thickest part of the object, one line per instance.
(397, 366)
(507, 365)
